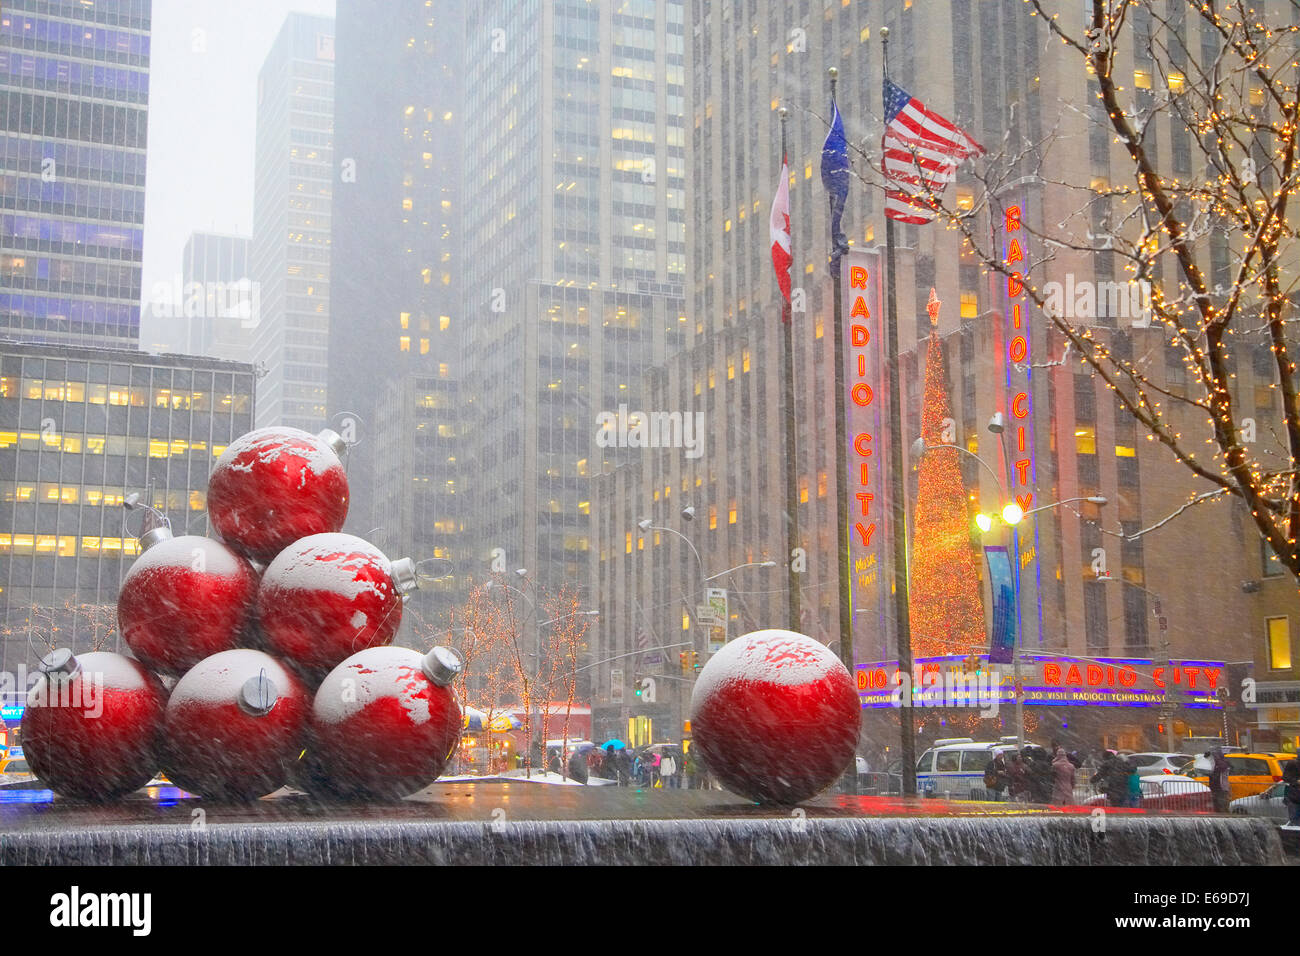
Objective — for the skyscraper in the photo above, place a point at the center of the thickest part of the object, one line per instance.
(74, 99)
(575, 223)
(212, 309)
(395, 363)
(291, 222)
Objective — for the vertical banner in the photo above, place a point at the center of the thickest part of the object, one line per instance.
(1019, 435)
(616, 684)
(1002, 583)
(868, 504)
(716, 601)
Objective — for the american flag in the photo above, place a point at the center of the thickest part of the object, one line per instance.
(921, 150)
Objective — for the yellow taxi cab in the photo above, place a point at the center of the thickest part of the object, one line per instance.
(15, 770)
(1248, 773)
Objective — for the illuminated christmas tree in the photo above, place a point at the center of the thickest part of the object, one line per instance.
(947, 615)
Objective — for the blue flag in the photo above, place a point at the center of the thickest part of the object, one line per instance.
(835, 177)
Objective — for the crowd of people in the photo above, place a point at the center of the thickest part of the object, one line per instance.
(649, 768)
(1038, 775)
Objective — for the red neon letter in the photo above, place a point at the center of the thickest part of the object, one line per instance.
(1012, 219)
(857, 277)
(858, 444)
(860, 309)
(1017, 405)
(1015, 285)
(865, 533)
(1019, 349)
(859, 335)
(861, 394)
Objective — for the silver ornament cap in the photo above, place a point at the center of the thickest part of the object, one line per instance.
(404, 577)
(442, 665)
(152, 536)
(257, 696)
(60, 664)
(333, 440)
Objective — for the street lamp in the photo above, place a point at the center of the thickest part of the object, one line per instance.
(741, 567)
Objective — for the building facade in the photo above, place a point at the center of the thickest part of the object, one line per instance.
(290, 253)
(575, 235)
(396, 364)
(74, 104)
(80, 431)
(985, 70)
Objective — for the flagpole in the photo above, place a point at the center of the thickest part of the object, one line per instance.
(841, 462)
(898, 513)
(791, 468)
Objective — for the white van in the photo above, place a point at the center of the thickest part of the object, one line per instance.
(953, 769)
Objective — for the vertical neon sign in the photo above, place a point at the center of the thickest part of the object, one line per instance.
(1019, 407)
(867, 508)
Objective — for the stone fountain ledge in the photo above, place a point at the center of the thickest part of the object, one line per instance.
(1046, 839)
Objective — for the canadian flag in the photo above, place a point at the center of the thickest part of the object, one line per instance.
(779, 227)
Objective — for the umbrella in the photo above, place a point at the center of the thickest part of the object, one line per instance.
(476, 720)
(615, 743)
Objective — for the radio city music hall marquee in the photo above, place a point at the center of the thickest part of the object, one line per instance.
(1061, 681)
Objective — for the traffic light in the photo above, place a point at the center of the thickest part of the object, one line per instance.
(695, 659)
(636, 683)
(681, 658)
(972, 664)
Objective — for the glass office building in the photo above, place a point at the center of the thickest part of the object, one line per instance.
(80, 430)
(74, 97)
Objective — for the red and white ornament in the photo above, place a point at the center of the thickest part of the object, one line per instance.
(234, 726)
(385, 722)
(184, 599)
(776, 716)
(92, 728)
(275, 485)
(328, 596)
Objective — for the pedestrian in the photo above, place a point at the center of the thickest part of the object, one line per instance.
(1220, 785)
(656, 761)
(692, 770)
(1017, 779)
(668, 771)
(1134, 783)
(1291, 794)
(1111, 779)
(996, 776)
(1062, 779)
(1039, 770)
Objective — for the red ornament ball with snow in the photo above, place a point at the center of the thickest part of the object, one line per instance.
(776, 716)
(275, 485)
(93, 725)
(386, 721)
(185, 599)
(234, 726)
(328, 596)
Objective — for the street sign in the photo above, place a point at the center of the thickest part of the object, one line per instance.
(705, 617)
(716, 599)
(1167, 711)
(616, 684)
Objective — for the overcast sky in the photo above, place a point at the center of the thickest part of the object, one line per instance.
(202, 117)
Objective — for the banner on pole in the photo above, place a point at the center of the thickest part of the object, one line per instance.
(1002, 640)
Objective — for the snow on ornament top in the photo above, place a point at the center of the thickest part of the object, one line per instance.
(773, 656)
(371, 675)
(223, 675)
(331, 562)
(101, 668)
(204, 554)
(275, 485)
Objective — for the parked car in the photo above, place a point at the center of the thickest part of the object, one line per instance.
(1151, 763)
(14, 770)
(954, 767)
(1248, 773)
(1161, 791)
(1267, 803)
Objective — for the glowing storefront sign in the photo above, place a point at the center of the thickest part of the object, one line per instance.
(1061, 681)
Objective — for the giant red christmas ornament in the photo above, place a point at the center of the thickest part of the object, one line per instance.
(328, 596)
(275, 485)
(184, 599)
(234, 726)
(385, 721)
(93, 724)
(776, 716)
